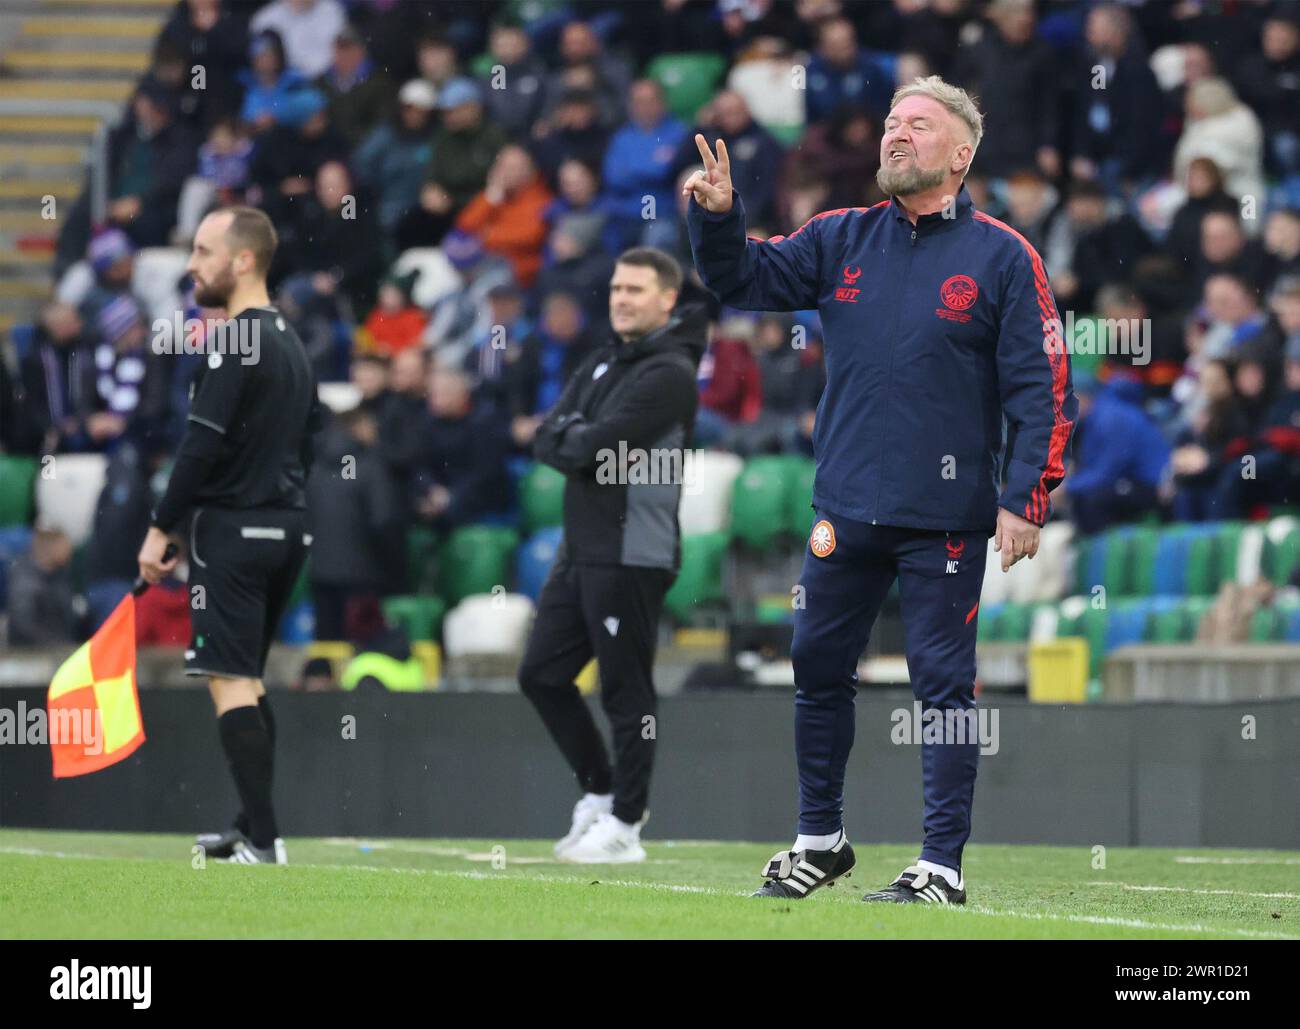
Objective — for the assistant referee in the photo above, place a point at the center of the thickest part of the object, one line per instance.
(237, 492)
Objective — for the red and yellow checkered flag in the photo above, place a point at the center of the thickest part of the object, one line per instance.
(94, 711)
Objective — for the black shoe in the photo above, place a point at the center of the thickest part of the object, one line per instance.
(220, 844)
(792, 876)
(917, 885)
(246, 854)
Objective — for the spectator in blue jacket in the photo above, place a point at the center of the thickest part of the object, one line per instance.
(640, 162)
(841, 72)
(274, 94)
(580, 208)
(1120, 456)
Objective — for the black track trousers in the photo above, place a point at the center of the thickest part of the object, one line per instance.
(611, 612)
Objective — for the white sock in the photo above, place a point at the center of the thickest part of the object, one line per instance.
(953, 877)
(802, 842)
(606, 800)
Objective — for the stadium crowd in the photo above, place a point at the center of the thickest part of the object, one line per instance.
(452, 180)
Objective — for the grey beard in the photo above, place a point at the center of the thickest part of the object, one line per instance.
(907, 181)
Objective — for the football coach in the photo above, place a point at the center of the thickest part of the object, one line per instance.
(938, 326)
(237, 489)
(619, 432)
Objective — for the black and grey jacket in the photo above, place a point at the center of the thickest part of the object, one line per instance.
(620, 432)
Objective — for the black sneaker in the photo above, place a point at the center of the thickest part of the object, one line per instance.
(220, 845)
(246, 854)
(917, 885)
(792, 876)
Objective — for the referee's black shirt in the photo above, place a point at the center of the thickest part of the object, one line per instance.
(248, 440)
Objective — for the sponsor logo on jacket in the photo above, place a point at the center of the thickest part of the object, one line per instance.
(958, 293)
(848, 292)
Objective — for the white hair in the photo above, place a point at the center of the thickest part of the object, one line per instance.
(954, 98)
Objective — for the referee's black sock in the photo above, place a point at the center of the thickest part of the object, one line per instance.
(263, 705)
(247, 742)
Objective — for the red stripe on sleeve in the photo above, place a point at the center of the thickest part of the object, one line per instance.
(1054, 346)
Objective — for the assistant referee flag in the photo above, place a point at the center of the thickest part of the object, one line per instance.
(93, 707)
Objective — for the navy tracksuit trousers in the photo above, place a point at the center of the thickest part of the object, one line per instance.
(847, 571)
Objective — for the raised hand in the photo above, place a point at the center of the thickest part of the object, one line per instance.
(711, 186)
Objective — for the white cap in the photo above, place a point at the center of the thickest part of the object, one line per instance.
(419, 93)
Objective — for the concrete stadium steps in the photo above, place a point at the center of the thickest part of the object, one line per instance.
(25, 289)
(25, 223)
(43, 154)
(57, 51)
(83, 61)
(35, 189)
(98, 27)
(116, 90)
(48, 128)
(163, 7)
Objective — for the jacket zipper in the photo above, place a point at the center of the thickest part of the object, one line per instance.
(889, 381)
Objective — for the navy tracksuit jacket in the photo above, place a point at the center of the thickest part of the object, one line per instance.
(934, 335)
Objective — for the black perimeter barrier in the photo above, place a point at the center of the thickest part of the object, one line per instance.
(480, 765)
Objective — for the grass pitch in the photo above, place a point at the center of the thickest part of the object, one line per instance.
(62, 885)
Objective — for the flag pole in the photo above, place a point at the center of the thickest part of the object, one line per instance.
(140, 582)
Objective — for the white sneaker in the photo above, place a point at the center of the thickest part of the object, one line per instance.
(607, 842)
(246, 854)
(589, 807)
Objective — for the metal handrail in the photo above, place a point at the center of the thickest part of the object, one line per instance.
(109, 115)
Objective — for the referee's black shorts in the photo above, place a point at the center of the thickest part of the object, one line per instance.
(247, 563)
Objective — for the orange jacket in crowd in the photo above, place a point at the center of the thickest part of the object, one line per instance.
(513, 229)
(390, 333)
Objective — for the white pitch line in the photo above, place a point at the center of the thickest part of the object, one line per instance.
(1202, 892)
(466, 873)
(1235, 861)
(1130, 923)
(33, 852)
(479, 857)
(469, 873)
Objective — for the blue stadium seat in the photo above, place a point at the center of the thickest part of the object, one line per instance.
(1127, 622)
(534, 559)
(14, 540)
(299, 625)
(1170, 574)
(1290, 623)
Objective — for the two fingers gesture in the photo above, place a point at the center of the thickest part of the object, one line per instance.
(711, 186)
